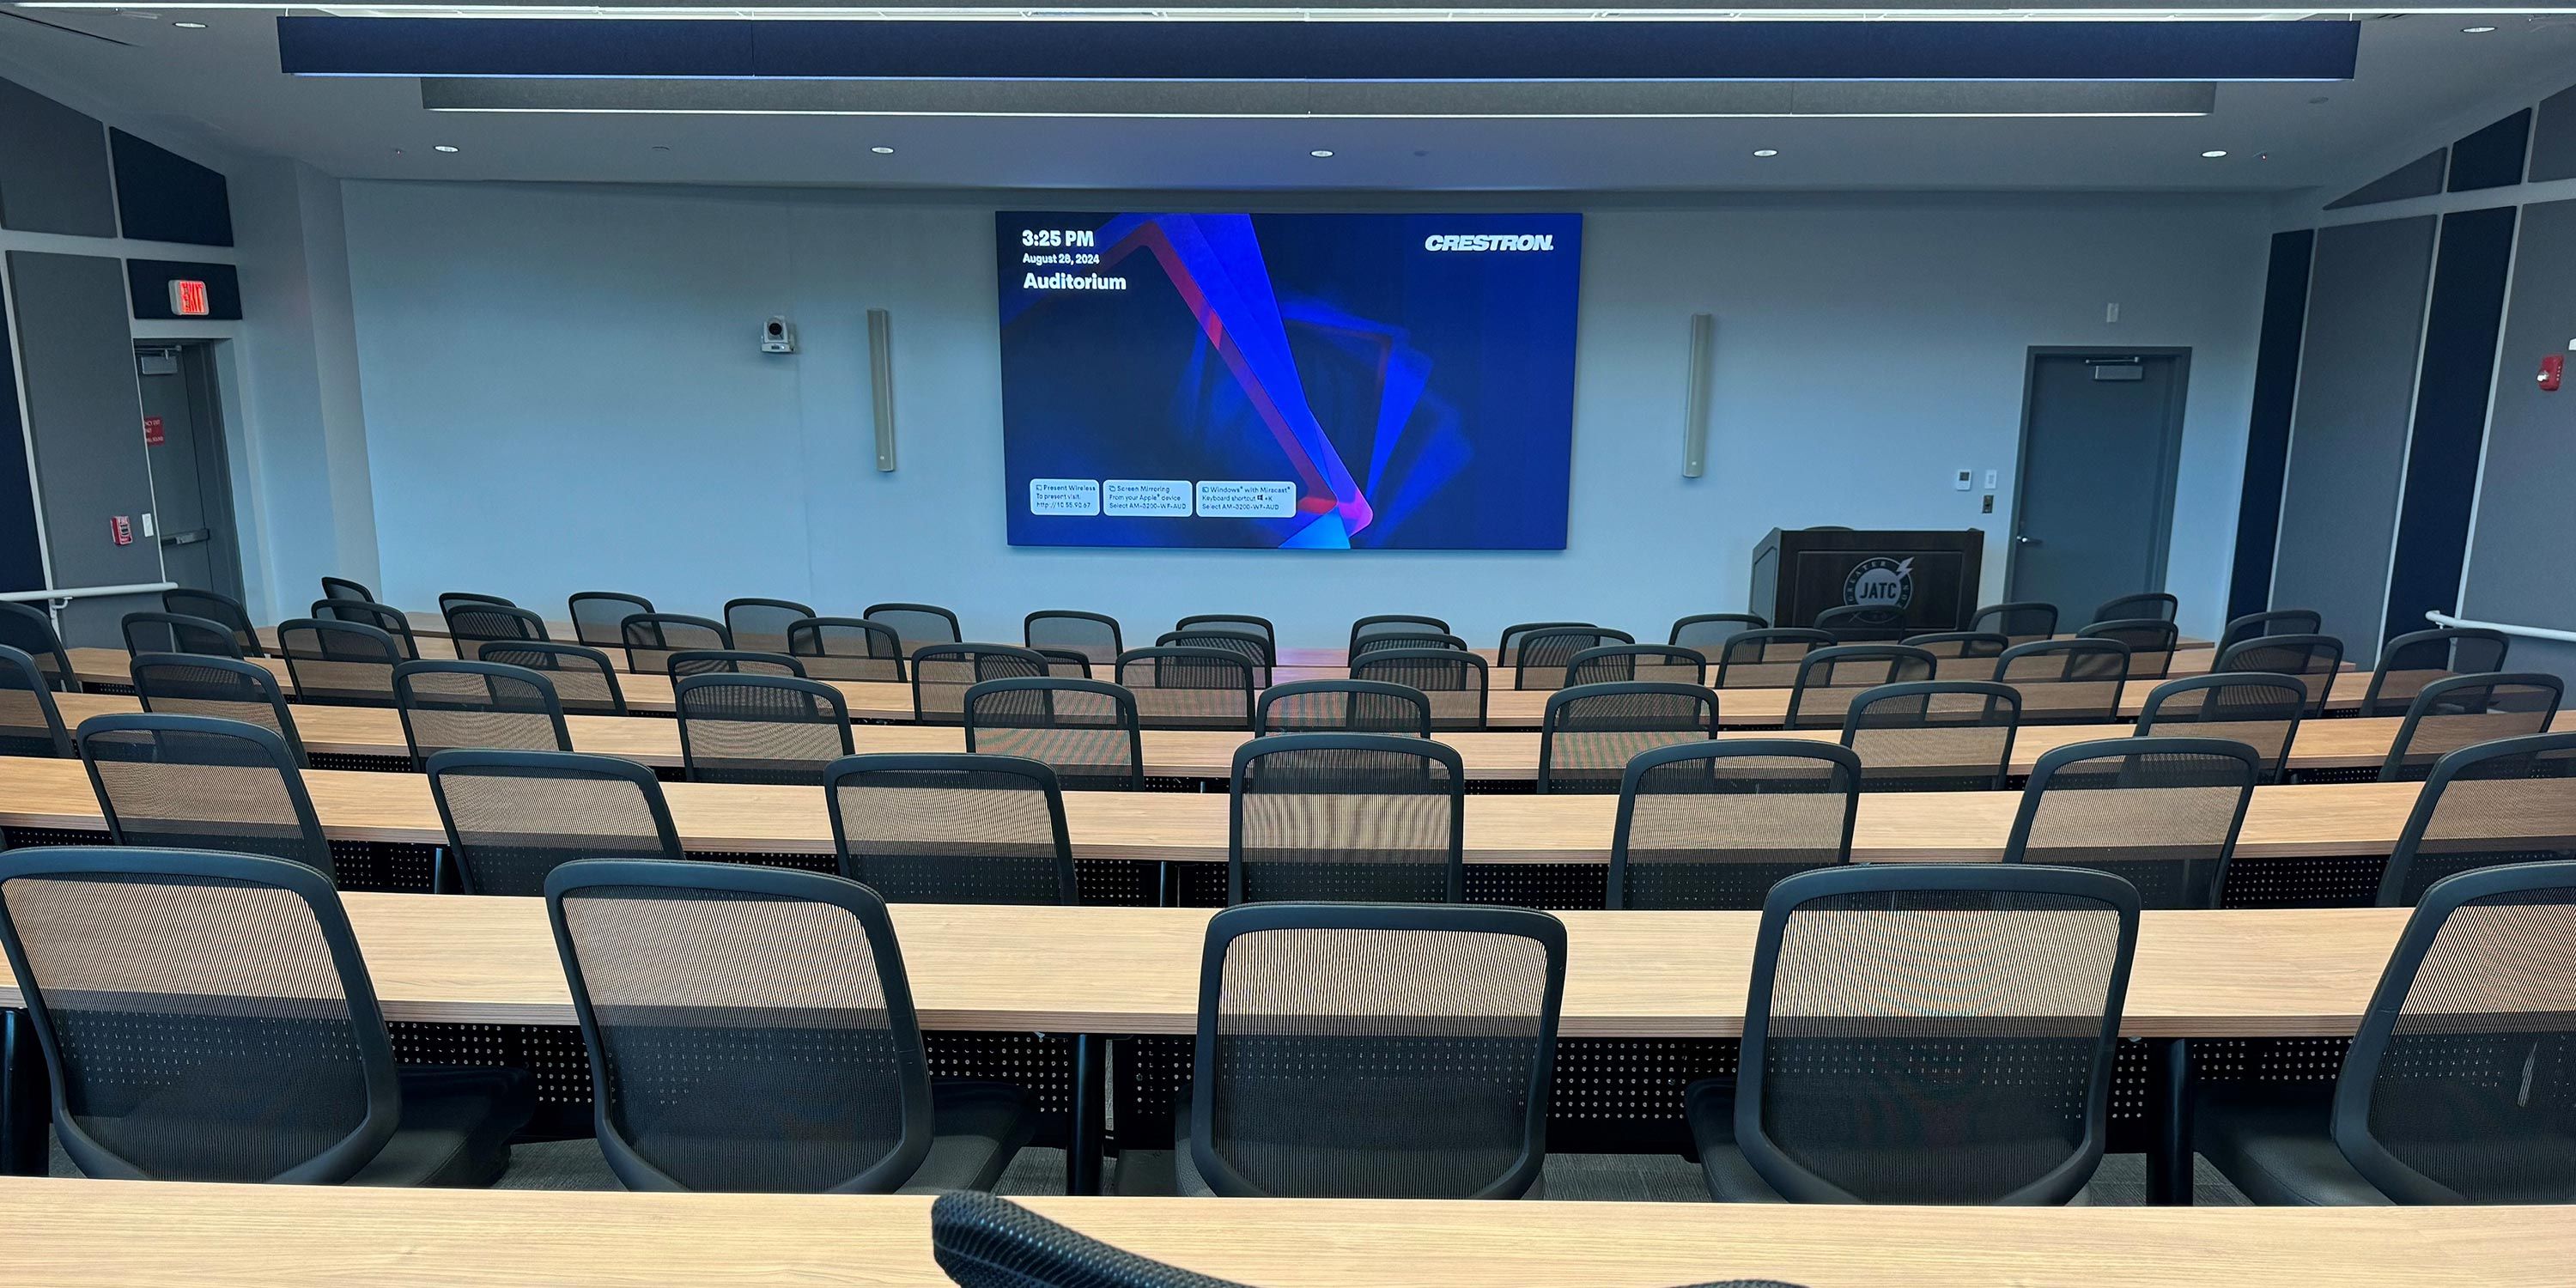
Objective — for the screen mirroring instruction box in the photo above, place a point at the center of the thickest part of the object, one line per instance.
(1163, 498)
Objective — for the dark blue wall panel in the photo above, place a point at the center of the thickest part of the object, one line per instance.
(2267, 440)
(22, 567)
(163, 196)
(1342, 51)
(2492, 157)
(2451, 394)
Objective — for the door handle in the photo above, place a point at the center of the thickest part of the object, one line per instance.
(188, 538)
(2025, 541)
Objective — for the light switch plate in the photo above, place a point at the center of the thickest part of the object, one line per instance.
(1966, 477)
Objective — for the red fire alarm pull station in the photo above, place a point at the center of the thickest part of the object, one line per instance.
(188, 298)
(2553, 370)
(121, 530)
(153, 433)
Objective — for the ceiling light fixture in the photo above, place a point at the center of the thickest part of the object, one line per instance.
(882, 150)
(189, 26)
(443, 147)
(1766, 152)
(2475, 31)
(2215, 153)
(1320, 152)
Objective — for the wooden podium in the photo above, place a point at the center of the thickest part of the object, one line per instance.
(1919, 581)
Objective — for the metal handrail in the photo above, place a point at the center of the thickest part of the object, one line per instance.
(61, 597)
(2535, 632)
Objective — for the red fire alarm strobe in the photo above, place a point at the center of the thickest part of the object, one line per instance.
(2553, 370)
(188, 298)
(121, 530)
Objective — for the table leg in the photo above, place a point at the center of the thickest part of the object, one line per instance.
(26, 1098)
(2169, 1164)
(1083, 1145)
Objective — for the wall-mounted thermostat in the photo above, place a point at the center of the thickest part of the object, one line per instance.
(779, 336)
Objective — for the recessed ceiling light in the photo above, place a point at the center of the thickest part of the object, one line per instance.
(661, 147)
(2476, 31)
(442, 147)
(882, 150)
(189, 26)
(1320, 152)
(2215, 153)
(1766, 152)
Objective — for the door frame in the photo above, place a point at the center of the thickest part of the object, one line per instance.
(2168, 457)
(202, 368)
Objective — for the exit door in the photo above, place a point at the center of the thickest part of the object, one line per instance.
(2093, 511)
(183, 435)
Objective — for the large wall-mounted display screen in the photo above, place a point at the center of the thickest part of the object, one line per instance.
(1324, 382)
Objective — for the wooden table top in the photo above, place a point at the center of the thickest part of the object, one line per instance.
(130, 1234)
(377, 731)
(2305, 820)
(1506, 707)
(2233, 973)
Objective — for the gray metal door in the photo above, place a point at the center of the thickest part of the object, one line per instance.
(191, 483)
(2094, 495)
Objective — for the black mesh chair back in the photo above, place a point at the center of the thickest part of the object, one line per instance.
(1188, 688)
(1934, 1034)
(221, 688)
(1343, 706)
(951, 829)
(1853, 623)
(2261, 711)
(759, 728)
(514, 816)
(1541, 659)
(760, 625)
(1379, 641)
(1084, 730)
(848, 648)
(1652, 663)
(204, 1016)
(1454, 682)
(599, 616)
(2410, 662)
(731, 661)
(198, 783)
(2286, 621)
(917, 624)
(585, 679)
(2022, 621)
(2508, 801)
(1589, 732)
(1375, 1052)
(1962, 651)
(1707, 633)
(472, 626)
(346, 591)
(1933, 735)
(2152, 604)
(2151, 644)
(2315, 659)
(2465, 710)
(177, 633)
(2076, 681)
(222, 609)
(392, 621)
(30, 724)
(2161, 813)
(942, 673)
(1095, 636)
(31, 632)
(1405, 624)
(1066, 664)
(1507, 651)
(455, 598)
(1255, 650)
(651, 639)
(981, 1241)
(2445, 1097)
(1766, 659)
(1713, 825)
(479, 705)
(1829, 678)
(749, 1028)
(1347, 817)
(340, 662)
(1240, 623)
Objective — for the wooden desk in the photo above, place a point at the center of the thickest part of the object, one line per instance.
(461, 959)
(2305, 821)
(377, 731)
(1506, 708)
(130, 1234)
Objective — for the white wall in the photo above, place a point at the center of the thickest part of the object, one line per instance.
(562, 392)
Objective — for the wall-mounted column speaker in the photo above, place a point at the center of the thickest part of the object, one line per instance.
(1703, 354)
(881, 383)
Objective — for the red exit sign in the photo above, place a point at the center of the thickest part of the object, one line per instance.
(188, 298)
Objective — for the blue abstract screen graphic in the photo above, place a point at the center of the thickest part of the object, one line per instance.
(1322, 382)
